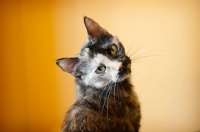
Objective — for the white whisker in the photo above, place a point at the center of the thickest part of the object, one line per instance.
(105, 100)
(108, 99)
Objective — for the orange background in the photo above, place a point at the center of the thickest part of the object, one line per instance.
(35, 93)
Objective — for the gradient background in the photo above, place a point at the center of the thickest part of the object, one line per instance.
(35, 94)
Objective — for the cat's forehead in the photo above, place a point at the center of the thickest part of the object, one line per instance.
(85, 54)
(113, 40)
(105, 43)
(90, 50)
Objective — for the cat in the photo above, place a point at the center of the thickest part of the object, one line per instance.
(105, 100)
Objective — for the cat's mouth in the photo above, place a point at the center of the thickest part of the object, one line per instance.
(123, 77)
(124, 71)
(123, 74)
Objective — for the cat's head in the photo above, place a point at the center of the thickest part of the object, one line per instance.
(102, 59)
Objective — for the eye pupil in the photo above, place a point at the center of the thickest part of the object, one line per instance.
(100, 69)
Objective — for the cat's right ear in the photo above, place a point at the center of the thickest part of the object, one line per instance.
(69, 65)
(95, 31)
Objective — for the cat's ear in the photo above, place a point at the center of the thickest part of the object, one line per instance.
(95, 31)
(69, 65)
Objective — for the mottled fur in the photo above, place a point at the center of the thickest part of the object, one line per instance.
(104, 102)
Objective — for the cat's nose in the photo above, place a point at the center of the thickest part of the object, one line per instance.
(120, 66)
(121, 70)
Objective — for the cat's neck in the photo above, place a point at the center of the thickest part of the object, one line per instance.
(123, 88)
(117, 99)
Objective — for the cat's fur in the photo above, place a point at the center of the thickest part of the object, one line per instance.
(105, 102)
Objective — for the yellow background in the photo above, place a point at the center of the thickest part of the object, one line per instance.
(35, 93)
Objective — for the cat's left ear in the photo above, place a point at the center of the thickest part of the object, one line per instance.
(95, 31)
(69, 65)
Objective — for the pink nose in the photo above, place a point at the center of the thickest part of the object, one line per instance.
(121, 66)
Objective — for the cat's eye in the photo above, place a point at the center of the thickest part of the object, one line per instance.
(100, 69)
(113, 49)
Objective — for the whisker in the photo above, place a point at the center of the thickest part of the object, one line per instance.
(122, 94)
(119, 95)
(145, 56)
(147, 53)
(105, 100)
(155, 62)
(114, 97)
(101, 96)
(139, 36)
(133, 44)
(117, 92)
(138, 62)
(108, 100)
(136, 50)
(140, 46)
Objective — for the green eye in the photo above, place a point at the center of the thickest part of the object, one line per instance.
(113, 49)
(100, 69)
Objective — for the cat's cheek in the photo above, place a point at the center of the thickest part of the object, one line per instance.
(89, 79)
(99, 84)
(112, 74)
(96, 81)
(86, 80)
(115, 78)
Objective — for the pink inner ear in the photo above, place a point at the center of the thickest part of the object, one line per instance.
(67, 64)
(94, 29)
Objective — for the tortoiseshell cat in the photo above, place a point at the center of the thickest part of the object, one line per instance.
(105, 100)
